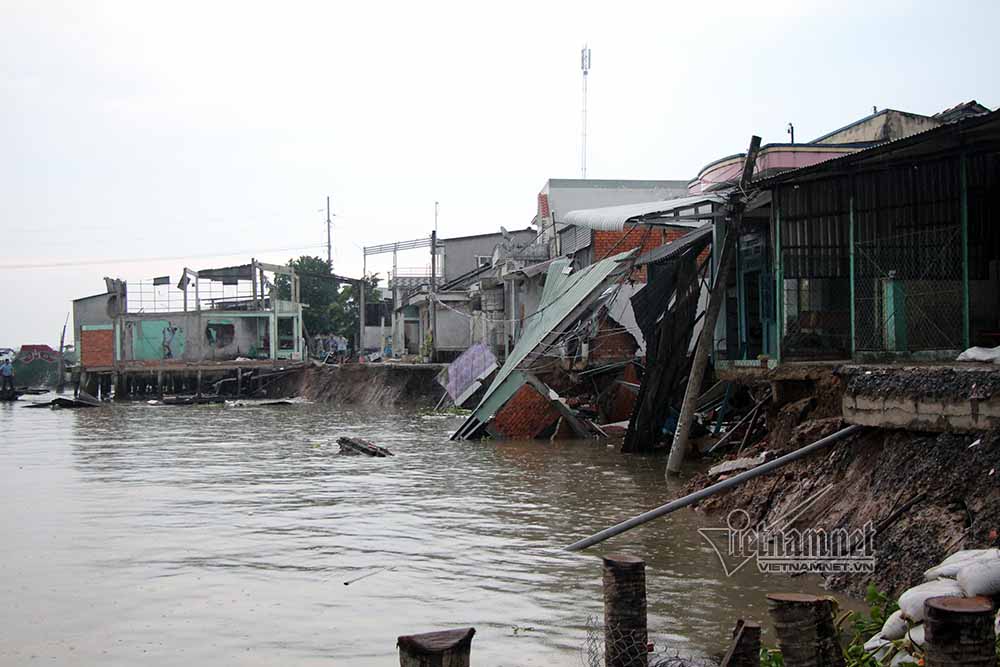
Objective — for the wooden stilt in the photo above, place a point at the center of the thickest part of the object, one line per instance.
(625, 634)
(959, 631)
(448, 648)
(804, 627)
(745, 649)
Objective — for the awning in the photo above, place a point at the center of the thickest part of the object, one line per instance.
(614, 218)
(698, 239)
(228, 275)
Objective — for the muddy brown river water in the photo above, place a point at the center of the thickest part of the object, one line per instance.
(224, 535)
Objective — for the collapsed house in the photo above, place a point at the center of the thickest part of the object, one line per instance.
(518, 403)
(221, 321)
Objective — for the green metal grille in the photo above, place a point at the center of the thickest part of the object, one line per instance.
(909, 291)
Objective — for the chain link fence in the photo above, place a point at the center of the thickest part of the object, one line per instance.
(909, 291)
(613, 646)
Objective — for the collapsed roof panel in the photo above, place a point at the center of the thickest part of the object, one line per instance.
(566, 296)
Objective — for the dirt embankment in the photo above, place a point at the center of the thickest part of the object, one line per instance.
(376, 385)
(956, 485)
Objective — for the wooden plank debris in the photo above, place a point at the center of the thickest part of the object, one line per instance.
(350, 445)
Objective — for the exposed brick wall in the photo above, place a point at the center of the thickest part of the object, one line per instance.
(525, 415)
(623, 402)
(611, 344)
(611, 243)
(98, 348)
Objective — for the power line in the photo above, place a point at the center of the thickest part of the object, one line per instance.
(134, 260)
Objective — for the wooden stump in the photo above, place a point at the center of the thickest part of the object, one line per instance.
(625, 636)
(805, 630)
(959, 632)
(447, 648)
(745, 649)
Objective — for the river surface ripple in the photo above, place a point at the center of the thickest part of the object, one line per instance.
(224, 535)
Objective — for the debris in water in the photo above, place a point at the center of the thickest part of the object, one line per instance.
(361, 446)
(370, 574)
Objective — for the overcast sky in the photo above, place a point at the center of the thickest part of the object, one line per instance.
(173, 134)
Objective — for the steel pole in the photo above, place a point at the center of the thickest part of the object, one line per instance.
(712, 490)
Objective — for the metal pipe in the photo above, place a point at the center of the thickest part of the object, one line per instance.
(712, 490)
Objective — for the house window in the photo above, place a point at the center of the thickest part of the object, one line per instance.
(220, 335)
(484, 260)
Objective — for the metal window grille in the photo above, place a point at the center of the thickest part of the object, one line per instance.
(908, 291)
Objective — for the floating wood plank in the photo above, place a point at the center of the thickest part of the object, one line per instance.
(361, 446)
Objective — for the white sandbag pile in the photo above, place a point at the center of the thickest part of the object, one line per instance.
(963, 574)
(911, 603)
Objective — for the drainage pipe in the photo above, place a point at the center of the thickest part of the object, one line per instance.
(712, 490)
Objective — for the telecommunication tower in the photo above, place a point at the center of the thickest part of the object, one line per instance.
(585, 66)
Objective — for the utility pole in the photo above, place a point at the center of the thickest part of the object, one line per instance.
(726, 253)
(585, 66)
(329, 236)
(433, 295)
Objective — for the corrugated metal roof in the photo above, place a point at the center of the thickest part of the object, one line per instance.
(698, 238)
(563, 294)
(614, 218)
(949, 131)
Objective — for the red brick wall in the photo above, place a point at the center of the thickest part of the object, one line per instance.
(98, 348)
(611, 243)
(611, 344)
(624, 399)
(525, 415)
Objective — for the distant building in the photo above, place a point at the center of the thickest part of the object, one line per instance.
(461, 261)
(214, 315)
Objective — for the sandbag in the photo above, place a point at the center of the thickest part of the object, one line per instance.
(878, 648)
(904, 657)
(980, 577)
(986, 354)
(915, 636)
(911, 603)
(875, 643)
(950, 566)
(895, 626)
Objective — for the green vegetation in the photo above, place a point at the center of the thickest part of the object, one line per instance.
(332, 308)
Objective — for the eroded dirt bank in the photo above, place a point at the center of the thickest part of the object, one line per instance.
(950, 479)
(375, 385)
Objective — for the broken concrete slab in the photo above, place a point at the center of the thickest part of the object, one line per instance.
(736, 465)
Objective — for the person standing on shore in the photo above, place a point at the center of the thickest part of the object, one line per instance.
(7, 374)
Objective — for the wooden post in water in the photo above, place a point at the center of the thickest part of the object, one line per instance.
(804, 627)
(239, 382)
(197, 391)
(625, 636)
(447, 648)
(745, 649)
(959, 632)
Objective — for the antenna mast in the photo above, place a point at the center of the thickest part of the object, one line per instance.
(329, 243)
(585, 66)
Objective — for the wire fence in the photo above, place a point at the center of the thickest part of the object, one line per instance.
(609, 645)
(909, 291)
(148, 296)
